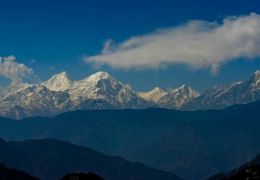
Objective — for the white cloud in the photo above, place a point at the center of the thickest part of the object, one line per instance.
(198, 44)
(14, 71)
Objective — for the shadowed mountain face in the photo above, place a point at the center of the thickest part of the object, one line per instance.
(175, 141)
(12, 174)
(51, 159)
(250, 170)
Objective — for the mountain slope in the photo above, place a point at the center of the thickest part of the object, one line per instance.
(51, 159)
(241, 92)
(176, 141)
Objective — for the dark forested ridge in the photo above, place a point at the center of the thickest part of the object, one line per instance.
(51, 159)
(175, 141)
(250, 170)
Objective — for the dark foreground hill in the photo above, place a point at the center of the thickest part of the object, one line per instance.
(175, 141)
(248, 171)
(81, 176)
(52, 159)
(13, 174)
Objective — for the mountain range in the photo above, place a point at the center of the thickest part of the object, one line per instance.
(50, 159)
(102, 91)
(194, 144)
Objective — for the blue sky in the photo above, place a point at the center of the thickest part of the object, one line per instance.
(50, 36)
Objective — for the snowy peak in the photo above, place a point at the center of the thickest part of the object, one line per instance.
(58, 82)
(157, 90)
(60, 75)
(95, 85)
(95, 79)
(255, 78)
(173, 99)
(257, 73)
(99, 76)
(178, 97)
(185, 90)
(153, 95)
(184, 87)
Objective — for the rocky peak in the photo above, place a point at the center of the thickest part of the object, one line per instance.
(185, 90)
(58, 82)
(99, 76)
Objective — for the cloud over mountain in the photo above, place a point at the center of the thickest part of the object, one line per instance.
(14, 71)
(197, 44)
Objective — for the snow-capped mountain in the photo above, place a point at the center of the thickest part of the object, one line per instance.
(60, 94)
(102, 91)
(219, 97)
(172, 99)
